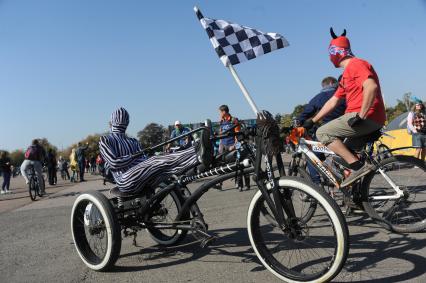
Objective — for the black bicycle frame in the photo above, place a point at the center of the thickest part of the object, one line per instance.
(278, 203)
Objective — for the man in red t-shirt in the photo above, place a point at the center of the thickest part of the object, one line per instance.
(365, 110)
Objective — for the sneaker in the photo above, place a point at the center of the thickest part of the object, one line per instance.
(7, 192)
(356, 175)
(205, 149)
(2, 192)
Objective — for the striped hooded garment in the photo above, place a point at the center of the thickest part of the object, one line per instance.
(134, 174)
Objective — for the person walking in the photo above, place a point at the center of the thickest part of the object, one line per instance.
(63, 167)
(416, 123)
(80, 153)
(6, 170)
(93, 165)
(73, 166)
(51, 167)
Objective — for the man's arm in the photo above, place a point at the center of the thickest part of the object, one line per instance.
(328, 107)
(369, 93)
(308, 111)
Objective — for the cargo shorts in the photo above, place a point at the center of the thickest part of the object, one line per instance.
(339, 129)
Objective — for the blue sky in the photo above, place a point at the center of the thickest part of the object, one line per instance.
(65, 65)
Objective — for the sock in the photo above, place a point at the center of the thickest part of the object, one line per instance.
(356, 165)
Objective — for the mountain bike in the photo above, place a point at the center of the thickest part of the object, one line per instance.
(393, 193)
(33, 184)
(293, 249)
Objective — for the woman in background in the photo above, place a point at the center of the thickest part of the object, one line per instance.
(73, 166)
(416, 123)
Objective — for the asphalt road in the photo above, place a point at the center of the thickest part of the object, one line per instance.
(36, 245)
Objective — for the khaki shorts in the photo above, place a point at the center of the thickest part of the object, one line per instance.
(339, 129)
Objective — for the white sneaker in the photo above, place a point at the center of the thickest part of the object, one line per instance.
(8, 191)
(2, 192)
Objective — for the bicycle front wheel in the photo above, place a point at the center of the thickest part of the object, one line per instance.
(318, 250)
(405, 213)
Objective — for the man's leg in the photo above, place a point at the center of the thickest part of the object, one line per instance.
(315, 177)
(154, 170)
(24, 167)
(6, 177)
(81, 167)
(332, 134)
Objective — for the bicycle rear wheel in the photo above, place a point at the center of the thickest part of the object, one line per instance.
(316, 253)
(32, 188)
(95, 231)
(403, 214)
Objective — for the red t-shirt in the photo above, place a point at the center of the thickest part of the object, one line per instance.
(350, 88)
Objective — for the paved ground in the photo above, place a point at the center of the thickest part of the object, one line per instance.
(36, 246)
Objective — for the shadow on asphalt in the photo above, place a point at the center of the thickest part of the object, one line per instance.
(366, 256)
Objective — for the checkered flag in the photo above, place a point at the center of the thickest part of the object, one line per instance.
(235, 43)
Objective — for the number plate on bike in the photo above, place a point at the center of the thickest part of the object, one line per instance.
(321, 149)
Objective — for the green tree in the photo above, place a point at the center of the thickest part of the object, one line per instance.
(17, 157)
(92, 150)
(151, 135)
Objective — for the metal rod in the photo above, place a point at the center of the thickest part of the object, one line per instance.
(243, 89)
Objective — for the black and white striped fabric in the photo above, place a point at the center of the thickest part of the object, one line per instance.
(134, 174)
(235, 43)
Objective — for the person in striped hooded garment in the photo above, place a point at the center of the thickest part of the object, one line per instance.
(132, 174)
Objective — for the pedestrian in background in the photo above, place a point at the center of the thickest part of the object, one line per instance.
(93, 165)
(51, 167)
(6, 170)
(80, 153)
(73, 166)
(416, 124)
(63, 167)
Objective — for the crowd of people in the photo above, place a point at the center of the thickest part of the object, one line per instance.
(46, 162)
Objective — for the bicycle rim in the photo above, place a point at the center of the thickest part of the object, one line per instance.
(316, 255)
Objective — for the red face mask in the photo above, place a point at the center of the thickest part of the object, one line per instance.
(339, 49)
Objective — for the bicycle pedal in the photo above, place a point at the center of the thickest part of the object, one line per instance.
(208, 241)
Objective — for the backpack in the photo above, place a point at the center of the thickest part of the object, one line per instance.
(33, 153)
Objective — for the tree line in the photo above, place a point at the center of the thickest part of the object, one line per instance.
(154, 133)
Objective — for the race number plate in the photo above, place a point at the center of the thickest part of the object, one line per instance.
(321, 149)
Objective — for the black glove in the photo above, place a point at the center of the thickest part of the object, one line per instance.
(308, 124)
(354, 121)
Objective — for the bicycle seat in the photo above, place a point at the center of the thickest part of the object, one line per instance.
(357, 144)
(117, 193)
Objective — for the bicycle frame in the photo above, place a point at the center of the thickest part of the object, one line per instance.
(278, 202)
(327, 173)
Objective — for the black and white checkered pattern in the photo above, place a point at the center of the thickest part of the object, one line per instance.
(235, 43)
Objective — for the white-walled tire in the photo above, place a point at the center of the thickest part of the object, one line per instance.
(329, 211)
(93, 211)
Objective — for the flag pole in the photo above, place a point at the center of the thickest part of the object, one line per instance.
(243, 89)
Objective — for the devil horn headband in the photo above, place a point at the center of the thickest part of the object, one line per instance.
(333, 35)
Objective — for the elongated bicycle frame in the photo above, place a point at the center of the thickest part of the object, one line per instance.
(308, 148)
